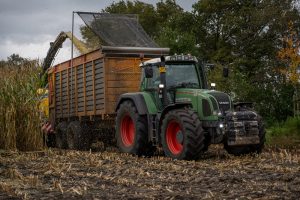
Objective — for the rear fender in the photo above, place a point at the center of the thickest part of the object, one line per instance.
(137, 99)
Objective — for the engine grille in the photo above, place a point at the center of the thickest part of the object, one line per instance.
(223, 100)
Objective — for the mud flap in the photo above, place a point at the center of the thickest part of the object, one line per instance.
(242, 128)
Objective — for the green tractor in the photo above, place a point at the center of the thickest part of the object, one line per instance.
(175, 110)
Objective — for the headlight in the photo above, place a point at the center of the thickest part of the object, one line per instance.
(161, 86)
(218, 113)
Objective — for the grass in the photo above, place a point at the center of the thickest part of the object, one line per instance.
(285, 134)
(19, 118)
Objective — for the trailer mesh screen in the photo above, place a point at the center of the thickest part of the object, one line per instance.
(117, 29)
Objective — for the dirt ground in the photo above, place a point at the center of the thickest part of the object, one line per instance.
(60, 174)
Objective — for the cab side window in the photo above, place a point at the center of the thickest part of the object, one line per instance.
(155, 80)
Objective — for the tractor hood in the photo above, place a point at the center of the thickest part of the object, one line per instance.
(224, 101)
(206, 102)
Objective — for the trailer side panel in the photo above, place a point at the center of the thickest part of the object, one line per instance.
(92, 87)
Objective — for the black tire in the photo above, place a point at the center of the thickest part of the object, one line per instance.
(50, 140)
(183, 125)
(132, 131)
(78, 136)
(262, 137)
(207, 142)
(248, 149)
(61, 135)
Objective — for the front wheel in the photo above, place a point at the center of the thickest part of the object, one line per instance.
(182, 134)
(132, 131)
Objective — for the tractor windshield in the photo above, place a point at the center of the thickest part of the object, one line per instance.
(182, 75)
(178, 75)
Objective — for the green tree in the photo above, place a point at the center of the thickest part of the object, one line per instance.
(175, 28)
(91, 40)
(146, 15)
(245, 35)
(289, 55)
(15, 60)
(168, 24)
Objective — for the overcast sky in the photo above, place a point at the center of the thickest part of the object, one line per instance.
(28, 26)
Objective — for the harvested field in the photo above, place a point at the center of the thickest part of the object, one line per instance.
(60, 174)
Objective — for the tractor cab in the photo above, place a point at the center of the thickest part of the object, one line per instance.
(181, 72)
(164, 78)
(180, 79)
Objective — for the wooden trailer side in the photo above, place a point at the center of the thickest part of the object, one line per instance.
(77, 91)
(92, 87)
(122, 76)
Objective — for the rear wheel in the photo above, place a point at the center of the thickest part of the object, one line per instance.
(247, 149)
(182, 134)
(61, 135)
(132, 130)
(78, 136)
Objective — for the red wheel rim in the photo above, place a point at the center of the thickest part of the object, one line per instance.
(173, 130)
(127, 131)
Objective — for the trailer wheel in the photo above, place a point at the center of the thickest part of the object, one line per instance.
(78, 136)
(247, 149)
(50, 140)
(61, 135)
(132, 131)
(182, 135)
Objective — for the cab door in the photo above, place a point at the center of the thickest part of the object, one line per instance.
(150, 85)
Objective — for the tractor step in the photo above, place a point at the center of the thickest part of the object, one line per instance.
(152, 129)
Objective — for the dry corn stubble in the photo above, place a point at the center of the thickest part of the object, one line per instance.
(106, 175)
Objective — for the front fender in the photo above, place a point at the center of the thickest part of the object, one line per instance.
(172, 107)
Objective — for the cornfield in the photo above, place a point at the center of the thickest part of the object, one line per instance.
(19, 115)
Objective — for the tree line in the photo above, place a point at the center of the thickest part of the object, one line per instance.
(258, 40)
(250, 37)
(15, 60)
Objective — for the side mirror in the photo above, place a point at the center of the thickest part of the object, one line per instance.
(148, 72)
(225, 72)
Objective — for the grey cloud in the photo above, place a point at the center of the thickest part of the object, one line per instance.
(25, 21)
(34, 21)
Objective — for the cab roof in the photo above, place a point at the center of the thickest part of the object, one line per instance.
(173, 58)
